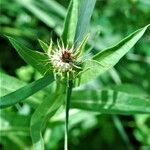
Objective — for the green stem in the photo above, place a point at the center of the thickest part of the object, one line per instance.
(68, 98)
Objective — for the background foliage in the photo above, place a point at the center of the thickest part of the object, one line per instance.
(30, 20)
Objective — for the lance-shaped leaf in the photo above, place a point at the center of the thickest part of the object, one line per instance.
(110, 102)
(70, 23)
(37, 59)
(33, 6)
(41, 115)
(106, 59)
(85, 13)
(26, 91)
(16, 84)
(43, 45)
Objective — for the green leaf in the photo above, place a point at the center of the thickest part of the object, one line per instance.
(110, 102)
(33, 6)
(70, 22)
(12, 122)
(130, 89)
(42, 114)
(13, 141)
(15, 127)
(81, 48)
(119, 126)
(43, 45)
(9, 84)
(26, 91)
(85, 13)
(108, 58)
(36, 59)
(56, 7)
(16, 84)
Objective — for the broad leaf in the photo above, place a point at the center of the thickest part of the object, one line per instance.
(26, 91)
(37, 59)
(85, 13)
(106, 59)
(70, 22)
(110, 102)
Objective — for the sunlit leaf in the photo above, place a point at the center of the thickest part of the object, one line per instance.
(110, 102)
(106, 59)
(42, 114)
(24, 92)
(43, 45)
(16, 84)
(37, 59)
(70, 22)
(85, 13)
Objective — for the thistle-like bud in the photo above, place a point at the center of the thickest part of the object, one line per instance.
(65, 60)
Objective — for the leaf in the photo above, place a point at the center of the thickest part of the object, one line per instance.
(130, 89)
(43, 45)
(108, 58)
(81, 48)
(14, 127)
(9, 84)
(110, 102)
(36, 59)
(119, 126)
(38, 120)
(13, 141)
(26, 91)
(85, 12)
(70, 22)
(16, 84)
(14, 123)
(41, 14)
(56, 7)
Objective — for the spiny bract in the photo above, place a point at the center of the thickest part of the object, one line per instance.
(65, 60)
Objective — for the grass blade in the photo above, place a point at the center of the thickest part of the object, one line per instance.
(119, 126)
(41, 14)
(54, 6)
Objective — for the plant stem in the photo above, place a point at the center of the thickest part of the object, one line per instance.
(68, 98)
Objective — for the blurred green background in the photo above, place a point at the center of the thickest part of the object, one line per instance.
(112, 20)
